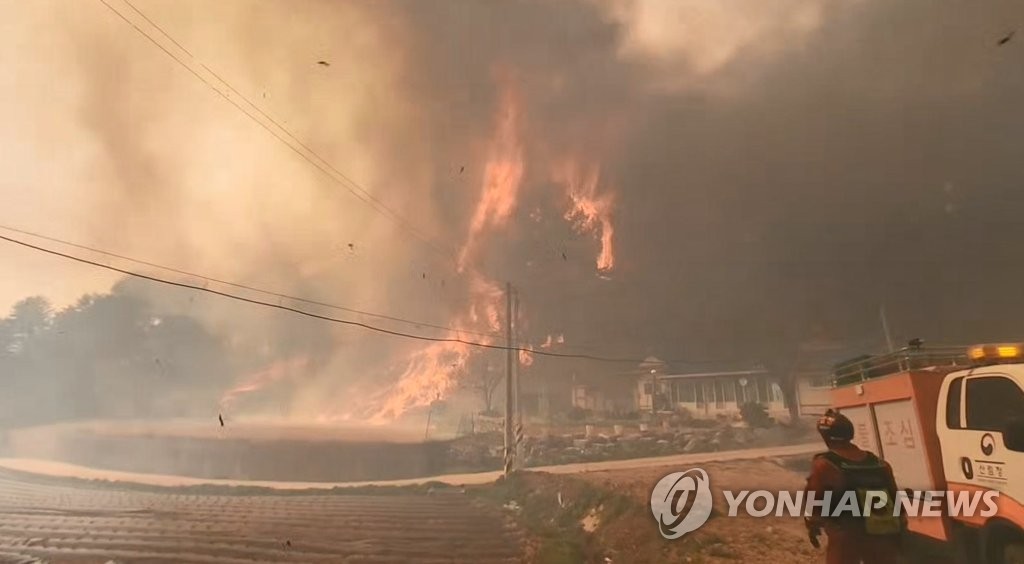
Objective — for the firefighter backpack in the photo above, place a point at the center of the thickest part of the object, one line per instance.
(869, 475)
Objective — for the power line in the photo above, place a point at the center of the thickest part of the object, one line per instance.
(152, 23)
(316, 160)
(298, 147)
(247, 287)
(348, 322)
(414, 323)
(348, 183)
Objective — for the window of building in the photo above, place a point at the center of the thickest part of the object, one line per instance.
(742, 392)
(730, 390)
(711, 392)
(992, 401)
(686, 393)
(762, 390)
(726, 392)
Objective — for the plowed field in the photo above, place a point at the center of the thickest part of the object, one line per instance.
(42, 520)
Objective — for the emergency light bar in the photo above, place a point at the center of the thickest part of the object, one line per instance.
(995, 353)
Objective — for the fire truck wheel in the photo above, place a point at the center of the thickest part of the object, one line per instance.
(1013, 553)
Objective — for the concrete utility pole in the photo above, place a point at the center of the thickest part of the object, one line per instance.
(517, 430)
(509, 399)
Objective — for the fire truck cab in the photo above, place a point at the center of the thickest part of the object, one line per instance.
(947, 420)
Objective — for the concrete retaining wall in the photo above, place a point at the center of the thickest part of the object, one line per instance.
(234, 458)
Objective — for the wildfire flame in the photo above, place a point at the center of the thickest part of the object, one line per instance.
(260, 379)
(551, 341)
(590, 211)
(525, 357)
(430, 374)
(503, 175)
(434, 371)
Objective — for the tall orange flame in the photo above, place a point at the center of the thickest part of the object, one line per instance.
(433, 371)
(503, 175)
(589, 211)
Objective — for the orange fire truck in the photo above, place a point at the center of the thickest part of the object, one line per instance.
(947, 419)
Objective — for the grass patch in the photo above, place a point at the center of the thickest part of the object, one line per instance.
(554, 523)
(719, 548)
(800, 464)
(722, 551)
(711, 544)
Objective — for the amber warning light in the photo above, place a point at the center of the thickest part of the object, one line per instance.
(989, 354)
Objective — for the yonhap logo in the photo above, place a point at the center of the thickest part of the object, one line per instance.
(681, 502)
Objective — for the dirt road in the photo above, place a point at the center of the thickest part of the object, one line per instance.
(81, 523)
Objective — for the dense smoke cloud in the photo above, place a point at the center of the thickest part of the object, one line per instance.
(841, 159)
(869, 165)
(773, 176)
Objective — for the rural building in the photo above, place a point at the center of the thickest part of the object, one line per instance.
(706, 390)
(701, 390)
(608, 394)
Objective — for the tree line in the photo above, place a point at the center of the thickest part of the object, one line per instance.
(107, 356)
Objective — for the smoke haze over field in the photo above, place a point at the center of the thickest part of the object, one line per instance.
(665, 178)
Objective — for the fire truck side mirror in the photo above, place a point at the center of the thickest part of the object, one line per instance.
(1013, 434)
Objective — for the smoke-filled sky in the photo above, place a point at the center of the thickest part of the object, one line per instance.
(764, 171)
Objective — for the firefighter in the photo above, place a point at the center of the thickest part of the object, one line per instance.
(871, 538)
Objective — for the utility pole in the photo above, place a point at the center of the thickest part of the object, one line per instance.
(517, 409)
(509, 389)
(517, 430)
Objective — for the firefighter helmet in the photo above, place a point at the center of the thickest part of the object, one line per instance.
(834, 426)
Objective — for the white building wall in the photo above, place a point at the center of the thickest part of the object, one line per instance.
(722, 396)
